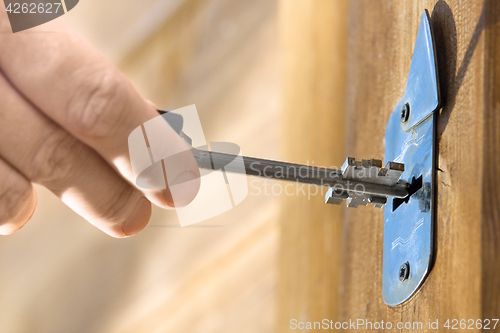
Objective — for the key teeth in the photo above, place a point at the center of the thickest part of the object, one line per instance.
(336, 199)
(355, 201)
(371, 163)
(350, 161)
(369, 171)
(395, 166)
(364, 170)
(383, 172)
(333, 200)
(350, 204)
(377, 201)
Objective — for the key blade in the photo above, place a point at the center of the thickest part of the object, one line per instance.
(306, 174)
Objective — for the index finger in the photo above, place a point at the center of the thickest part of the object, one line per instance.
(68, 80)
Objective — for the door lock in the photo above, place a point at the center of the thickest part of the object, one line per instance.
(404, 187)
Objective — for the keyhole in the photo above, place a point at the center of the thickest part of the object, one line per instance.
(415, 185)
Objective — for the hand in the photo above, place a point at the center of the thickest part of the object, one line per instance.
(65, 116)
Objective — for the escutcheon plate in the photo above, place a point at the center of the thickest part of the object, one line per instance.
(409, 229)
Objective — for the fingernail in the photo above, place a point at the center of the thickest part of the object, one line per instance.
(138, 219)
(25, 214)
(184, 188)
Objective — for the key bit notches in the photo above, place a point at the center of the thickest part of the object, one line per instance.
(366, 173)
(359, 183)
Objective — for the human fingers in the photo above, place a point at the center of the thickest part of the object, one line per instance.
(17, 199)
(73, 84)
(48, 155)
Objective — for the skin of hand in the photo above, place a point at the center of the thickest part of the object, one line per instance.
(65, 116)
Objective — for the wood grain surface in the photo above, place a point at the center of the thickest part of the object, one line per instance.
(314, 35)
(221, 55)
(320, 78)
(464, 283)
(61, 274)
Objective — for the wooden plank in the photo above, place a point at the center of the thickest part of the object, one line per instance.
(222, 56)
(464, 283)
(490, 261)
(314, 39)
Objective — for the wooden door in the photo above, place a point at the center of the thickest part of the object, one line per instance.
(314, 43)
(465, 281)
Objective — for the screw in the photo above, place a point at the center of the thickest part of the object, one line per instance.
(405, 112)
(404, 271)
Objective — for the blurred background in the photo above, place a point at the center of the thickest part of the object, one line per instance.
(268, 75)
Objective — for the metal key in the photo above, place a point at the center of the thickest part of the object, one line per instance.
(358, 182)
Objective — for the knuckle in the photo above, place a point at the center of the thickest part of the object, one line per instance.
(13, 196)
(52, 162)
(92, 110)
(117, 204)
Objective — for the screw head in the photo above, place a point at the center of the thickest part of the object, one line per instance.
(405, 112)
(404, 271)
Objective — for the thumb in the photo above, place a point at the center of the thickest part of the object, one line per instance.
(163, 165)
